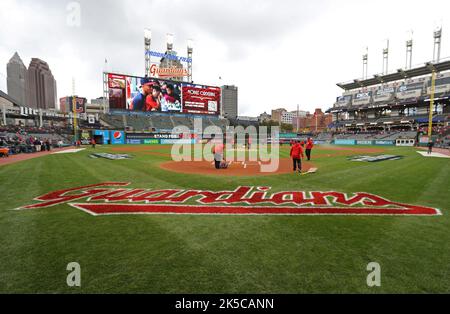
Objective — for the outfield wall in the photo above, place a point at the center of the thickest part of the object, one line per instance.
(364, 142)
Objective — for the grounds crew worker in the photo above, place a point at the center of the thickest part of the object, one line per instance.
(309, 147)
(217, 150)
(297, 155)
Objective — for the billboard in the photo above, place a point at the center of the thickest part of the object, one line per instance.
(158, 95)
(343, 101)
(410, 90)
(201, 99)
(344, 142)
(384, 93)
(66, 104)
(384, 143)
(442, 85)
(362, 98)
(144, 136)
(117, 137)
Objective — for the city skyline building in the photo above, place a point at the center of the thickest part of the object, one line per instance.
(16, 79)
(41, 90)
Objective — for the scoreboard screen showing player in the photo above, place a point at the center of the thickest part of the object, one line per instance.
(158, 95)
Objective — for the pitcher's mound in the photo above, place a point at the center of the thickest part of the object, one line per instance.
(249, 168)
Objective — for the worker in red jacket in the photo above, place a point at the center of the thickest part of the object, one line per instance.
(217, 150)
(297, 155)
(309, 147)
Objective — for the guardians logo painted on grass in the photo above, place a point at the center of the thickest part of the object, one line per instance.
(103, 199)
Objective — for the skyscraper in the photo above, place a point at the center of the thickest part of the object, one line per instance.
(41, 86)
(16, 73)
(229, 101)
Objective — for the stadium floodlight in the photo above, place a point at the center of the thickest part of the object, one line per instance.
(409, 49)
(190, 49)
(147, 34)
(169, 41)
(409, 34)
(437, 35)
(147, 44)
(190, 44)
(365, 59)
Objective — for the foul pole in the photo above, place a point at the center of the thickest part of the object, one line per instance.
(74, 111)
(430, 117)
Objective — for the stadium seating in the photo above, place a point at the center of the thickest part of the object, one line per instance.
(112, 121)
(165, 123)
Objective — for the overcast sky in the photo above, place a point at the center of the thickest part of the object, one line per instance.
(279, 53)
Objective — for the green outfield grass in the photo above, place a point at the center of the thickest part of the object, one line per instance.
(225, 254)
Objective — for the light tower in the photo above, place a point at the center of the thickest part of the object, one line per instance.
(105, 87)
(365, 59)
(147, 43)
(74, 111)
(386, 58)
(190, 49)
(409, 49)
(169, 41)
(437, 44)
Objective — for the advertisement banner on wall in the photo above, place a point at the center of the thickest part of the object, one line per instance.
(362, 98)
(179, 141)
(117, 137)
(344, 142)
(385, 93)
(144, 136)
(288, 135)
(384, 143)
(363, 142)
(151, 142)
(134, 142)
(343, 101)
(201, 99)
(142, 141)
(409, 91)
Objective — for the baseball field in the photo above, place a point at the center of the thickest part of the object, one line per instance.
(126, 249)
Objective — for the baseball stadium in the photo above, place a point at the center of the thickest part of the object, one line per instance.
(72, 204)
(161, 193)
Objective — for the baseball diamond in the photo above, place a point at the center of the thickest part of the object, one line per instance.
(240, 161)
(226, 226)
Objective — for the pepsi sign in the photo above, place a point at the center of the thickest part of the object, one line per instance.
(117, 137)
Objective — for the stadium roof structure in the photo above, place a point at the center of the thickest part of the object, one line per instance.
(401, 74)
(7, 97)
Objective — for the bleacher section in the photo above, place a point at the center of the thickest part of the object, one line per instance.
(392, 135)
(112, 121)
(158, 123)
